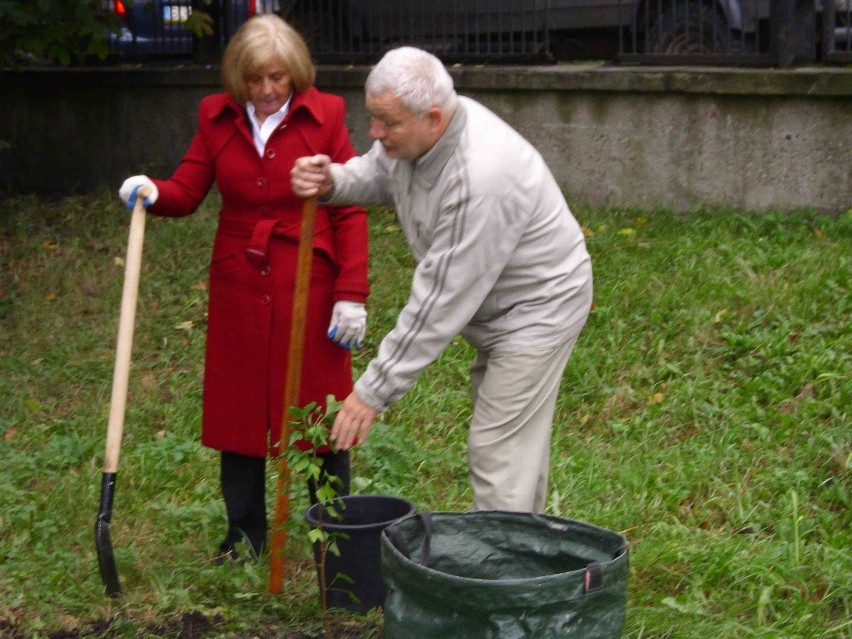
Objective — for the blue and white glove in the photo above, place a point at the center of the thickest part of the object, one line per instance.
(348, 324)
(138, 185)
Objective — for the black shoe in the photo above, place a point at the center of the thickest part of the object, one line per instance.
(228, 550)
(227, 555)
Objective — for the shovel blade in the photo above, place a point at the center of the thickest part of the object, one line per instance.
(103, 540)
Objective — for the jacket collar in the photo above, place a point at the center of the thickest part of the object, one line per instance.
(308, 101)
(428, 167)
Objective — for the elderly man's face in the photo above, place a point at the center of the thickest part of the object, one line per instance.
(403, 134)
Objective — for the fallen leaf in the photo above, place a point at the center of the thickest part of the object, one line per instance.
(718, 316)
(50, 297)
(185, 326)
(148, 381)
(10, 433)
(842, 458)
(627, 232)
(587, 231)
(118, 261)
(806, 392)
(819, 234)
(656, 398)
(68, 621)
(201, 285)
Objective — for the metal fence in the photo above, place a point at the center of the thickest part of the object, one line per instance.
(724, 32)
(837, 31)
(676, 32)
(455, 30)
(152, 30)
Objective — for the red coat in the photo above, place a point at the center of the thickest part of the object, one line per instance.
(253, 266)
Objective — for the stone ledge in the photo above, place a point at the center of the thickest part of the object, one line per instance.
(810, 81)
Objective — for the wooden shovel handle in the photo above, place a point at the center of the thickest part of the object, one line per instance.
(292, 384)
(126, 324)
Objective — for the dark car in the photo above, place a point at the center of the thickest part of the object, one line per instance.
(151, 28)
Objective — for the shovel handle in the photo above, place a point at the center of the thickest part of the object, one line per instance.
(292, 383)
(126, 324)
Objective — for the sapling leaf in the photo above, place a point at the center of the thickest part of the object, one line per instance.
(343, 577)
(326, 494)
(301, 464)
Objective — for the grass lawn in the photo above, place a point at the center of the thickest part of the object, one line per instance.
(705, 414)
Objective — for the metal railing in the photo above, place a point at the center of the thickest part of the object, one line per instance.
(837, 31)
(674, 32)
(718, 32)
(172, 29)
(455, 30)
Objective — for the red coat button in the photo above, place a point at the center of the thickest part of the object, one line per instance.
(265, 271)
(270, 153)
(266, 299)
(261, 182)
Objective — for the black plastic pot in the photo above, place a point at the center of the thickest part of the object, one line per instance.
(357, 530)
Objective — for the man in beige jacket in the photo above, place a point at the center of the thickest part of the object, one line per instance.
(500, 261)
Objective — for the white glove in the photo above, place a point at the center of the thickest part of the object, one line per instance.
(142, 185)
(348, 324)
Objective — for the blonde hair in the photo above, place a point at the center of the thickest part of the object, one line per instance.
(263, 38)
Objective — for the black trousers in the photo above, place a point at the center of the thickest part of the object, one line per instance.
(243, 481)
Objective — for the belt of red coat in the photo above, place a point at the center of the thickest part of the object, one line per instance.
(260, 233)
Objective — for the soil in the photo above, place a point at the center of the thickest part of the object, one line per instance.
(195, 625)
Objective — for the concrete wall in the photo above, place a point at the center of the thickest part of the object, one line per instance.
(635, 137)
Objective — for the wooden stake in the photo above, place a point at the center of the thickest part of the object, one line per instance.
(291, 393)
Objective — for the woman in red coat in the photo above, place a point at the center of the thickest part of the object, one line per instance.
(247, 141)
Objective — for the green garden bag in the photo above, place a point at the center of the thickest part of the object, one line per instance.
(502, 575)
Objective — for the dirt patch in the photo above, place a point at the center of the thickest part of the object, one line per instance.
(195, 625)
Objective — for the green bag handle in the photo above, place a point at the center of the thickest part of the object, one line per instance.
(399, 542)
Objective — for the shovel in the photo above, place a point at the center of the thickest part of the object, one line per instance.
(291, 391)
(103, 542)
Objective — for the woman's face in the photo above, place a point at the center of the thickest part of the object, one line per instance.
(269, 88)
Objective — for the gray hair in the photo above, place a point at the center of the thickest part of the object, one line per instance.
(416, 77)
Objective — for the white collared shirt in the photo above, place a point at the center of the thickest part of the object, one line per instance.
(261, 132)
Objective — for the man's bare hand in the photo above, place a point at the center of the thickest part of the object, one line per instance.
(352, 423)
(311, 176)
